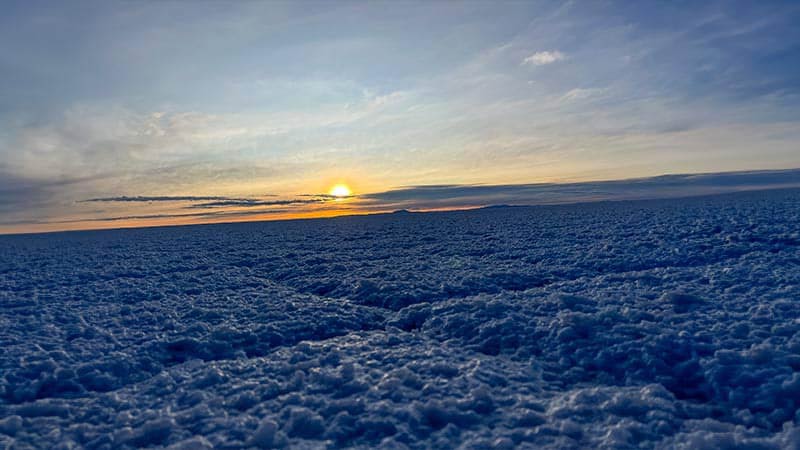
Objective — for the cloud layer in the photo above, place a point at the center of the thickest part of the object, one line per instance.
(455, 196)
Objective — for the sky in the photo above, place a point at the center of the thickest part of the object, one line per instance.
(139, 113)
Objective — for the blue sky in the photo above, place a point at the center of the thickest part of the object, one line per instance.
(280, 100)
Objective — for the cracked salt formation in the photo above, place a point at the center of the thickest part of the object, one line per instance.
(647, 324)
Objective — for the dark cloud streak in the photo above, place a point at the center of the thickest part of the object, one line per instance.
(217, 201)
(248, 203)
(328, 196)
(212, 214)
(161, 198)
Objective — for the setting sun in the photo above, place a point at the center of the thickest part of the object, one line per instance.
(340, 191)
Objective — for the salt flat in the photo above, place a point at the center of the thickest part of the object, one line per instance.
(653, 324)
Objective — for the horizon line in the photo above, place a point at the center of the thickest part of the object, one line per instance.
(263, 216)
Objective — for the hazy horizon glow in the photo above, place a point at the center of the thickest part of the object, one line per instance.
(255, 110)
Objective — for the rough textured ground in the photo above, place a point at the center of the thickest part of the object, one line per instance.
(653, 324)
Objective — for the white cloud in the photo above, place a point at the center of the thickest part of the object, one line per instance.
(543, 58)
(581, 94)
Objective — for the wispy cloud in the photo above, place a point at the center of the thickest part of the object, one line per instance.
(544, 58)
(582, 93)
(165, 198)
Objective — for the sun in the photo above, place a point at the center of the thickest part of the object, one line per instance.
(340, 191)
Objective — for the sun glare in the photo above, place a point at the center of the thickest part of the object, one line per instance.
(340, 191)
